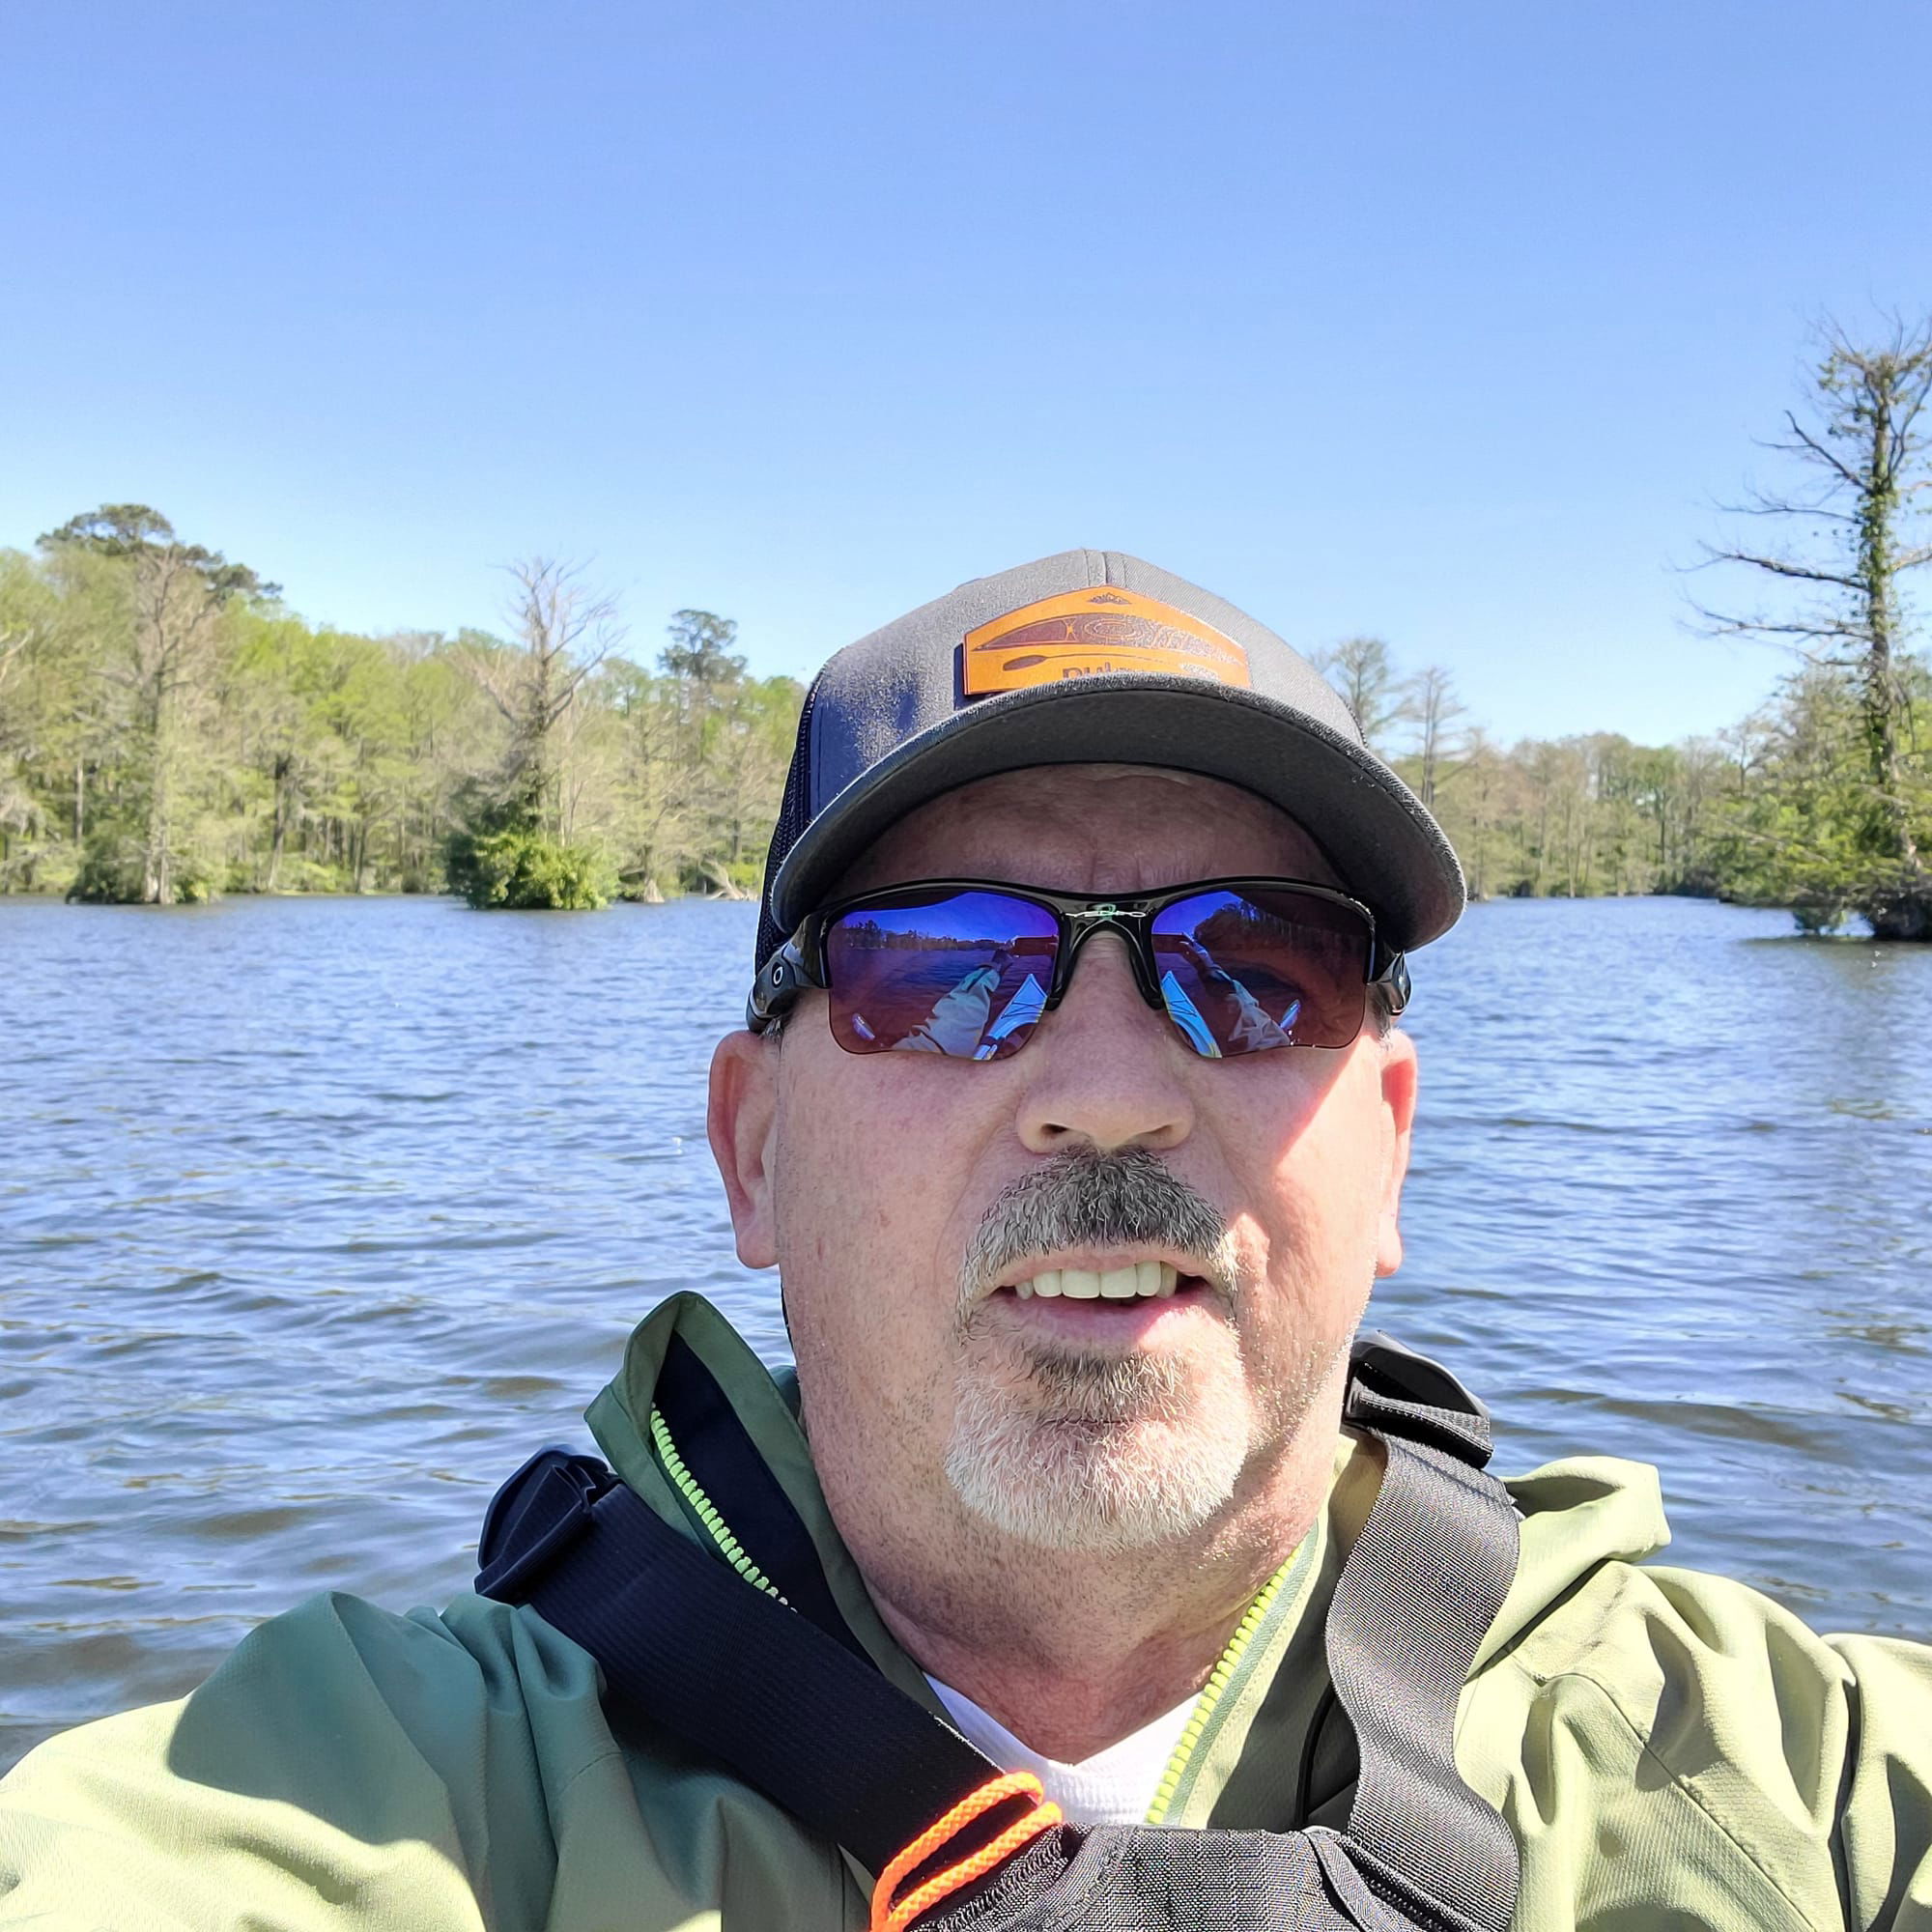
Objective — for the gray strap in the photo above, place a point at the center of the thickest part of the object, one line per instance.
(1419, 1591)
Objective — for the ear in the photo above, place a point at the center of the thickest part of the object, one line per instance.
(740, 1121)
(1399, 1081)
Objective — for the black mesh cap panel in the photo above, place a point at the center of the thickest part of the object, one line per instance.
(794, 815)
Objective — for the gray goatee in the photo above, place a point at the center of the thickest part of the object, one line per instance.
(1068, 1448)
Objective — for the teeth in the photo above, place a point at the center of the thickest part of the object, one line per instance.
(1153, 1281)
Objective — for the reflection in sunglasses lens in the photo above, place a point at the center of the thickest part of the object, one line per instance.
(962, 974)
(967, 973)
(1241, 971)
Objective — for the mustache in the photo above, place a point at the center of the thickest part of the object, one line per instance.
(1083, 1198)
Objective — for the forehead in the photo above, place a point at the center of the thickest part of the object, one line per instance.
(1093, 828)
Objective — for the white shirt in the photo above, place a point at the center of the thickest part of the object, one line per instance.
(1114, 1786)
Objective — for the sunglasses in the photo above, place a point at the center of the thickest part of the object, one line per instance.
(967, 967)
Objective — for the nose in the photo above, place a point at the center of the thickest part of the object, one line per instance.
(1104, 1069)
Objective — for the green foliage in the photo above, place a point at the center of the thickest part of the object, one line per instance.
(700, 648)
(522, 870)
(166, 730)
(1808, 829)
(135, 530)
(162, 740)
(113, 643)
(1836, 820)
(112, 871)
(1576, 817)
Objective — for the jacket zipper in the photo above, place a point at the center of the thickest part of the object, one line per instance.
(1212, 1691)
(1205, 1706)
(705, 1510)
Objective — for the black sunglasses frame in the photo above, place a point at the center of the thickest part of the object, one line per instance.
(800, 962)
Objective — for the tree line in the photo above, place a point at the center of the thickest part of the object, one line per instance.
(169, 729)
(1754, 814)
(1821, 799)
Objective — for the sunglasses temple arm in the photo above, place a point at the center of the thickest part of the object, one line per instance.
(777, 985)
(1394, 977)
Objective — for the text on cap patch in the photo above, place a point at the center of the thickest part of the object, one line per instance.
(1087, 633)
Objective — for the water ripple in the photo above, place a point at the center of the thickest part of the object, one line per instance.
(317, 1216)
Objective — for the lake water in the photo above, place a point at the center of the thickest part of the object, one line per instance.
(316, 1217)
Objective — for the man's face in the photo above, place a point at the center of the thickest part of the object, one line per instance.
(909, 1200)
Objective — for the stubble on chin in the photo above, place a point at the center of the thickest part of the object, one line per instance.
(1074, 1450)
(1068, 1448)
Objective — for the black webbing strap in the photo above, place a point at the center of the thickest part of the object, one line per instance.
(1420, 1589)
(709, 1436)
(687, 1645)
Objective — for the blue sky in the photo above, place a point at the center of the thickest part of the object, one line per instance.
(1441, 322)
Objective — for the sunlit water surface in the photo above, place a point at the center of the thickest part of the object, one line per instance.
(317, 1216)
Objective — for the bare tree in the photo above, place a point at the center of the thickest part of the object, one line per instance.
(1856, 529)
(1364, 672)
(562, 632)
(1431, 705)
(175, 611)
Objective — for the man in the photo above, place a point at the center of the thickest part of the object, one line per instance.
(1073, 1116)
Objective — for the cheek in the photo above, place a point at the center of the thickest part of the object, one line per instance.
(871, 1164)
(1310, 1163)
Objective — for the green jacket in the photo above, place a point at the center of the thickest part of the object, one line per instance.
(1671, 1749)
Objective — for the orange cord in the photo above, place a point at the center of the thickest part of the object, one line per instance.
(887, 1916)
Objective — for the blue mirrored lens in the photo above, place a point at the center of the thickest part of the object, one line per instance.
(960, 973)
(1244, 970)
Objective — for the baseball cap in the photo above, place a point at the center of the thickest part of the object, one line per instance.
(1092, 657)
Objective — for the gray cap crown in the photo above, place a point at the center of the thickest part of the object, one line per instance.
(894, 720)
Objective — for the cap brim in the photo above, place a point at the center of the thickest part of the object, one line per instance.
(1386, 848)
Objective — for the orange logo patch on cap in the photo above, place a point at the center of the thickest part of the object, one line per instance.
(1086, 633)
